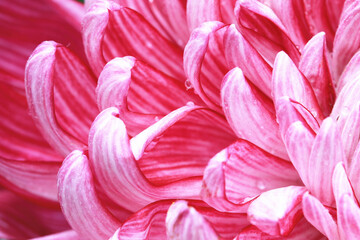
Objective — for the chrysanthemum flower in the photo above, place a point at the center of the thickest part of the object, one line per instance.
(239, 120)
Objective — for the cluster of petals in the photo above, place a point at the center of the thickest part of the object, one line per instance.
(175, 119)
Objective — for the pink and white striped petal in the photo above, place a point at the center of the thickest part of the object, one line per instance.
(240, 53)
(179, 145)
(326, 152)
(56, 81)
(201, 11)
(241, 172)
(316, 54)
(347, 41)
(260, 25)
(341, 184)
(351, 72)
(319, 217)
(79, 202)
(138, 89)
(250, 113)
(204, 62)
(277, 211)
(348, 218)
(113, 31)
(289, 81)
(292, 15)
(299, 140)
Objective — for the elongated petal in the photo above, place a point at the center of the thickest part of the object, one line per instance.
(240, 53)
(316, 54)
(326, 152)
(113, 31)
(348, 218)
(264, 30)
(138, 89)
(204, 61)
(34, 23)
(353, 172)
(66, 235)
(56, 81)
(351, 72)
(289, 81)
(250, 113)
(341, 184)
(176, 174)
(292, 15)
(299, 141)
(201, 11)
(319, 216)
(347, 41)
(277, 211)
(79, 203)
(241, 172)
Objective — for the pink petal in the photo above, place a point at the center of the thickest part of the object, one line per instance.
(34, 22)
(140, 90)
(349, 126)
(326, 152)
(227, 11)
(56, 80)
(175, 145)
(253, 232)
(334, 10)
(20, 219)
(348, 218)
(319, 216)
(292, 15)
(264, 30)
(240, 53)
(72, 12)
(289, 81)
(184, 222)
(66, 235)
(113, 31)
(353, 172)
(242, 171)
(347, 41)
(341, 184)
(79, 202)
(289, 111)
(204, 62)
(277, 211)
(299, 141)
(201, 11)
(351, 72)
(250, 113)
(314, 64)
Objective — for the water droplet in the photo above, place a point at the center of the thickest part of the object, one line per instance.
(188, 84)
(190, 104)
(149, 44)
(151, 1)
(156, 118)
(260, 185)
(314, 113)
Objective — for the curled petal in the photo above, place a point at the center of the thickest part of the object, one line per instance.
(204, 61)
(347, 41)
(316, 54)
(326, 152)
(240, 53)
(140, 92)
(264, 30)
(56, 80)
(289, 81)
(348, 217)
(319, 217)
(79, 202)
(113, 31)
(241, 172)
(277, 211)
(250, 113)
(126, 169)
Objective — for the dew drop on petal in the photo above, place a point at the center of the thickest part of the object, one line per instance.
(156, 118)
(188, 84)
(314, 113)
(190, 104)
(149, 44)
(260, 185)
